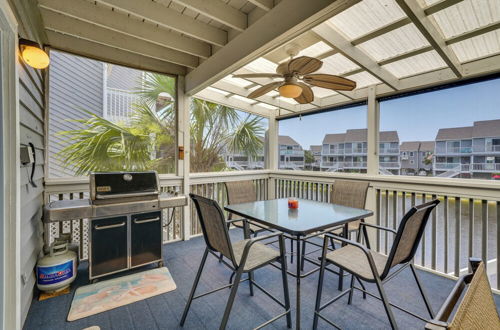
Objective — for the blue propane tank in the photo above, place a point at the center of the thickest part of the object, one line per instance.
(56, 270)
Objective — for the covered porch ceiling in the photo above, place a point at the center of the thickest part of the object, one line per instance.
(397, 45)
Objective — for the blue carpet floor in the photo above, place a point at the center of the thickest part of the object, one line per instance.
(183, 258)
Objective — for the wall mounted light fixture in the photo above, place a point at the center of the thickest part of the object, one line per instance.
(33, 54)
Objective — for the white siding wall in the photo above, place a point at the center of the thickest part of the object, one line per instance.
(76, 83)
(32, 112)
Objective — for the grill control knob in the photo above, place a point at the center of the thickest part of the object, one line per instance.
(127, 177)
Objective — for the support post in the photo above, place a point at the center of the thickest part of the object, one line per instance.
(373, 116)
(272, 153)
(184, 140)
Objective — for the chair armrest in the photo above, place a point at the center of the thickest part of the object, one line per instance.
(254, 240)
(378, 227)
(365, 250)
(347, 241)
(237, 220)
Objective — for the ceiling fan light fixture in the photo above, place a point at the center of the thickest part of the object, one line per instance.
(290, 90)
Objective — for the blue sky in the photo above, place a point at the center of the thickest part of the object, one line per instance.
(417, 117)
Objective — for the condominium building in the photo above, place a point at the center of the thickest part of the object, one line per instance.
(347, 152)
(416, 157)
(291, 154)
(469, 152)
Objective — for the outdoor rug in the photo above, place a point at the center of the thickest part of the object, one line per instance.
(103, 296)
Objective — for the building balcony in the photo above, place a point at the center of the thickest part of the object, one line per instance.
(389, 151)
(354, 165)
(485, 167)
(392, 165)
(486, 149)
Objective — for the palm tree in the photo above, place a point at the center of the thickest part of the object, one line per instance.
(148, 140)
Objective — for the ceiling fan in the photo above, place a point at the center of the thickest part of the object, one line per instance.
(297, 74)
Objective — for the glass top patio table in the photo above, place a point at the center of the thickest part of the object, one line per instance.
(309, 217)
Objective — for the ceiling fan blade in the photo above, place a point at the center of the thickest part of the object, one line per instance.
(257, 75)
(264, 89)
(304, 65)
(282, 69)
(330, 82)
(307, 95)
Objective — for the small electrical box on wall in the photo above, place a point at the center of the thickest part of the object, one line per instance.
(181, 153)
(26, 154)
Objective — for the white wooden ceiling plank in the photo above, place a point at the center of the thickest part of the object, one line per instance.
(172, 19)
(64, 24)
(218, 11)
(107, 18)
(109, 54)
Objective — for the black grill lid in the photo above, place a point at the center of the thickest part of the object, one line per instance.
(104, 185)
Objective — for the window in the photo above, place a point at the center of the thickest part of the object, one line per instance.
(106, 117)
(452, 132)
(225, 139)
(339, 135)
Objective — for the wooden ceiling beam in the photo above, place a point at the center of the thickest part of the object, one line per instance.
(64, 24)
(258, 39)
(110, 54)
(344, 46)
(105, 17)
(218, 11)
(267, 5)
(171, 19)
(417, 15)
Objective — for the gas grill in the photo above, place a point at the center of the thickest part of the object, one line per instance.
(125, 216)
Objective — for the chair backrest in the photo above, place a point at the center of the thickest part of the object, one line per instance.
(477, 309)
(408, 236)
(213, 225)
(351, 194)
(240, 192)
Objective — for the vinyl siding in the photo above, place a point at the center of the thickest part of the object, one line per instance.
(31, 129)
(76, 84)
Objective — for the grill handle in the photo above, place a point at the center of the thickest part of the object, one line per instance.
(137, 221)
(137, 194)
(116, 225)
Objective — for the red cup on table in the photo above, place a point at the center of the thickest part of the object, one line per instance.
(293, 203)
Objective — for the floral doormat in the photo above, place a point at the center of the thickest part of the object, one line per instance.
(103, 296)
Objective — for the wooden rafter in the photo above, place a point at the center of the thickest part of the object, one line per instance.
(104, 17)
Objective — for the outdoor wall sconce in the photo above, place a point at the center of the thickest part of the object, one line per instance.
(33, 55)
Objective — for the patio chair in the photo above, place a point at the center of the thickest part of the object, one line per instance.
(477, 309)
(351, 194)
(243, 192)
(244, 256)
(371, 266)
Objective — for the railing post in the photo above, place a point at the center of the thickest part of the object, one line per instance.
(272, 153)
(183, 140)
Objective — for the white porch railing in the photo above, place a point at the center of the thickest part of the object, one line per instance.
(466, 222)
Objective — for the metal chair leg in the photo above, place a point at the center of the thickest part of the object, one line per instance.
(385, 301)
(232, 295)
(349, 301)
(320, 288)
(193, 290)
(422, 292)
(220, 257)
(284, 277)
(291, 251)
(250, 282)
